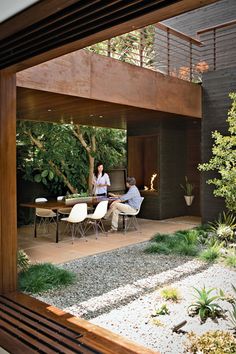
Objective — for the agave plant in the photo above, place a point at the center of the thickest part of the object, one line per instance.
(205, 306)
(224, 227)
(232, 313)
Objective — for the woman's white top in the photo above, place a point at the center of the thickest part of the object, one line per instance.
(101, 180)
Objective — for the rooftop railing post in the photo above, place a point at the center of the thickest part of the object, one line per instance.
(109, 47)
(190, 61)
(141, 46)
(168, 51)
(214, 49)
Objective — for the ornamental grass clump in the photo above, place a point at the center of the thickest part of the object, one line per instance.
(180, 243)
(212, 253)
(230, 259)
(45, 276)
(211, 342)
(172, 294)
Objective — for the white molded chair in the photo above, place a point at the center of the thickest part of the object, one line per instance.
(130, 219)
(95, 219)
(45, 215)
(76, 217)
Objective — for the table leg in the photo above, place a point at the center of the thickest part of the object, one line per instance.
(57, 227)
(35, 225)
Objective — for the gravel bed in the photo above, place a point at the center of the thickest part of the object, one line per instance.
(111, 279)
(134, 320)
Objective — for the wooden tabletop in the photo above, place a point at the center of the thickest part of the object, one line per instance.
(55, 205)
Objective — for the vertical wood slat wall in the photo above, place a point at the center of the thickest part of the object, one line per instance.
(8, 231)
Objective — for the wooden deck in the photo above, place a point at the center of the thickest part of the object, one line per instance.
(31, 326)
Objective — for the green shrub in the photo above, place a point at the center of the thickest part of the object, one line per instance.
(204, 306)
(160, 238)
(212, 253)
(230, 260)
(23, 261)
(182, 242)
(171, 294)
(158, 248)
(42, 277)
(212, 342)
(185, 249)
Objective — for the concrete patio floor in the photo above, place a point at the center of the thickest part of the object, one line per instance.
(44, 249)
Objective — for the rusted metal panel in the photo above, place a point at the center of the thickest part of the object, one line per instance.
(94, 77)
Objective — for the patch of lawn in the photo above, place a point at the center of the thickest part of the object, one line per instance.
(42, 277)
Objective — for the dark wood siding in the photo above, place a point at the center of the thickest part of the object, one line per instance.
(173, 151)
(208, 16)
(216, 103)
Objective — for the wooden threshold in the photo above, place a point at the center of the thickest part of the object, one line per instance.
(30, 326)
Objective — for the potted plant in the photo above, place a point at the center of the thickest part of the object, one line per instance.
(188, 191)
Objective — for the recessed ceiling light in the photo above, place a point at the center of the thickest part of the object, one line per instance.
(49, 110)
(91, 115)
(100, 116)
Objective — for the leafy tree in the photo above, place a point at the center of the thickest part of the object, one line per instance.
(63, 155)
(224, 161)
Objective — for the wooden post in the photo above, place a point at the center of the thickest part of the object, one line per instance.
(8, 227)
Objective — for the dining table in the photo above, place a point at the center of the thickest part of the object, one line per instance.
(56, 205)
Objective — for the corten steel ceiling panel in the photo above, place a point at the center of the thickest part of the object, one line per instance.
(77, 21)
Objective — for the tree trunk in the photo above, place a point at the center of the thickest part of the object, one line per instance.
(90, 178)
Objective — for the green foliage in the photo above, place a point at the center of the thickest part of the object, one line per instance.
(181, 243)
(212, 342)
(212, 252)
(43, 149)
(171, 294)
(187, 187)
(223, 161)
(204, 306)
(230, 260)
(127, 47)
(42, 277)
(23, 261)
(163, 310)
(224, 227)
(232, 313)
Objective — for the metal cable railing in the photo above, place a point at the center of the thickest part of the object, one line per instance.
(219, 45)
(156, 47)
(163, 49)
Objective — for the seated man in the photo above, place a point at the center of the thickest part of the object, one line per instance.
(127, 203)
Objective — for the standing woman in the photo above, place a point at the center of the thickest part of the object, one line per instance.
(100, 181)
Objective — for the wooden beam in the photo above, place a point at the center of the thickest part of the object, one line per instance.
(113, 27)
(8, 226)
(101, 80)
